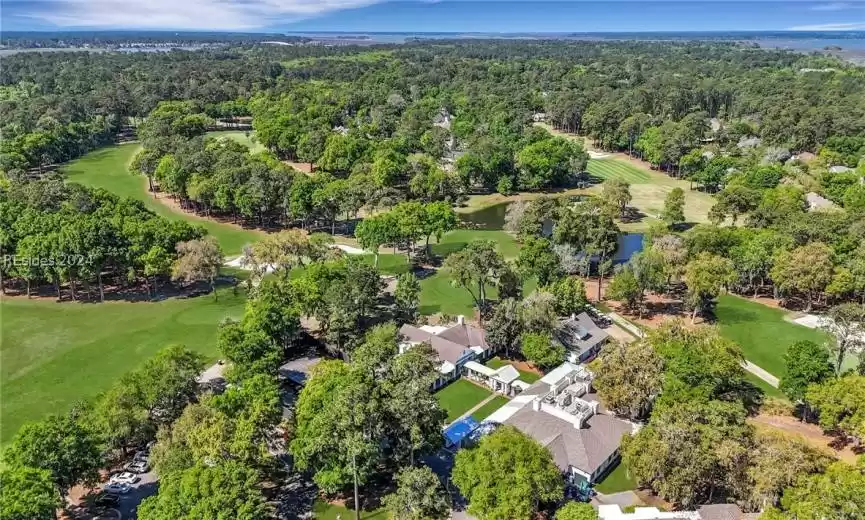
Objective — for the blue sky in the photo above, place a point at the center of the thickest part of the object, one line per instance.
(433, 15)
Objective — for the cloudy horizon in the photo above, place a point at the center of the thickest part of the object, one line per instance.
(434, 15)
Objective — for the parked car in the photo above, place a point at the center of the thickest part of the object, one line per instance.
(124, 478)
(107, 499)
(141, 455)
(117, 488)
(138, 466)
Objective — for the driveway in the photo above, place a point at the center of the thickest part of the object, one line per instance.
(147, 486)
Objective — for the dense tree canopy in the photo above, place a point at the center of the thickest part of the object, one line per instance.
(508, 475)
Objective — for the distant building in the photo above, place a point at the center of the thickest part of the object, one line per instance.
(581, 337)
(561, 412)
(455, 346)
(749, 142)
(539, 117)
(442, 119)
(708, 512)
(818, 203)
(804, 157)
(715, 124)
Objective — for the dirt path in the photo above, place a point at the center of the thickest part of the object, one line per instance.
(810, 433)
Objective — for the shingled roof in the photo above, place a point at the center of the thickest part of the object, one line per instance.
(579, 334)
(451, 343)
(585, 448)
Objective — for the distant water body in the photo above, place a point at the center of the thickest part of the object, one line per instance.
(803, 41)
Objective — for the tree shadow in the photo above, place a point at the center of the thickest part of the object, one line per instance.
(632, 215)
(430, 309)
(130, 293)
(445, 249)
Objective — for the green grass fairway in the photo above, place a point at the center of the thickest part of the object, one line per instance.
(649, 187)
(460, 238)
(439, 295)
(616, 481)
(324, 511)
(55, 354)
(761, 331)
(459, 397)
(486, 410)
(108, 168)
(615, 169)
(528, 377)
(388, 264)
(241, 137)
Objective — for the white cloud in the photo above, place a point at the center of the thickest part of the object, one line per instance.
(834, 6)
(184, 14)
(855, 26)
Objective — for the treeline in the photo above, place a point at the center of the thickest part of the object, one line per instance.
(373, 132)
(56, 106)
(199, 436)
(660, 95)
(354, 170)
(56, 233)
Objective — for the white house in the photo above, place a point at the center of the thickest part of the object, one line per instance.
(563, 414)
(455, 345)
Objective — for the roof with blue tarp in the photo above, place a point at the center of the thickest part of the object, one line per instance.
(456, 432)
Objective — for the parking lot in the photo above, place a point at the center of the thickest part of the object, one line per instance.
(127, 504)
(142, 489)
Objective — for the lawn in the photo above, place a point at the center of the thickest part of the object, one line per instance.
(616, 481)
(324, 511)
(459, 397)
(108, 168)
(388, 264)
(486, 410)
(460, 238)
(528, 377)
(241, 136)
(53, 355)
(615, 169)
(439, 295)
(761, 331)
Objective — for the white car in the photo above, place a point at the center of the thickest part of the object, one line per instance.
(139, 466)
(140, 455)
(124, 478)
(117, 488)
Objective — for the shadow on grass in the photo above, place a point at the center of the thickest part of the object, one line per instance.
(428, 310)
(446, 249)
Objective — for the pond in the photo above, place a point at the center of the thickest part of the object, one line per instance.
(490, 217)
(493, 218)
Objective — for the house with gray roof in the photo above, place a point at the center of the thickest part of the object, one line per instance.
(455, 345)
(707, 512)
(581, 337)
(817, 202)
(297, 370)
(562, 414)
